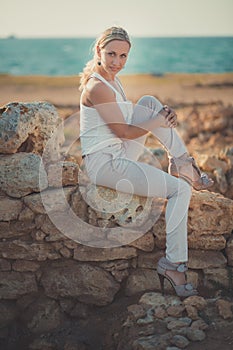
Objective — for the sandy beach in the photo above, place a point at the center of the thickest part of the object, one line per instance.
(173, 89)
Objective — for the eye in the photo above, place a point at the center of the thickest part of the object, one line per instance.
(123, 55)
(111, 54)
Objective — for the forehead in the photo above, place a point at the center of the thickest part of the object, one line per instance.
(118, 46)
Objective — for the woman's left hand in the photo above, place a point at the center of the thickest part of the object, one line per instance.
(171, 117)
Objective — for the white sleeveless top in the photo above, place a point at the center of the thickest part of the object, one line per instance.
(94, 132)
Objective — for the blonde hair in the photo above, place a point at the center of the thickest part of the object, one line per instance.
(113, 33)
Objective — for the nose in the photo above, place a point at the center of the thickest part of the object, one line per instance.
(116, 61)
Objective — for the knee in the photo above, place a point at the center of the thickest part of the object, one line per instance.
(146, 100)
(150, 102)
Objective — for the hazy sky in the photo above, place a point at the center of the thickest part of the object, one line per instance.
(72, 18)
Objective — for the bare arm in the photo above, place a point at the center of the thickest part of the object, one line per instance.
(103, 99)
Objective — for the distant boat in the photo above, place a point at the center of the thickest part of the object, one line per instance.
(12, 36)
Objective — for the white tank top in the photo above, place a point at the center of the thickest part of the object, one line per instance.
(94, 132)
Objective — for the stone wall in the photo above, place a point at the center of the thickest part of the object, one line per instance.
(49, 263)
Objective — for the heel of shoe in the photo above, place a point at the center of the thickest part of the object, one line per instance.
(161, 279)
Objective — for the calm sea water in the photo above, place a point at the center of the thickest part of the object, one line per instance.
(148, 55)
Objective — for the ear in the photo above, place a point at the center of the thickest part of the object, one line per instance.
(98, 51)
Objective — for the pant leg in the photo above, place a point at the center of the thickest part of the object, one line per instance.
(112, 168)
(147, 108)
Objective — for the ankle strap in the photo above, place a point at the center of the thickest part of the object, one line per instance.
(167, 265)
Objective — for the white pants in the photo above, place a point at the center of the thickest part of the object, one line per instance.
(116, 166)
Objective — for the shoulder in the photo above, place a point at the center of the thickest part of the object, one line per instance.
(98, 92)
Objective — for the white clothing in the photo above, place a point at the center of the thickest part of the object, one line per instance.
(110, 165)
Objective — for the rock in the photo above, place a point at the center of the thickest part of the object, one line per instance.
(154, 300)
(149, 260)
(87, 283)
(199, 324)
(219, 278)
(160, 312)
(63, 174)
(51, 200)
(5, 265)
(176, 310)
(18, 249)
(9, 208)
(202, 259)
(195, 334)
(15, 284)
(229, 251)
(42, 344)
(206, 242)
(27, 127)
(122, 208)
(210, 214)
(180, 323)
(221, 180)
(8, 313)
(141, 280)
(152, 342)
(192, 312)
(210, 220)
(145, 243)
(224, 309)
(24, 265)
(196, 301)
(22, 174)
(180, 341)
(210, 163)
(42, 316)
(136, 310)
(84, 253)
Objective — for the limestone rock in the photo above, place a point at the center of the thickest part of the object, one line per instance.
(87, 283)
(21, 174)
(210, 213)
(201, 259)
(22, 250)
(63, 174)
(152, 342)
(8, 312)
(15, 284)
(42, 316)
(51, 200)
(229, 251)
(141, 280)
(84, 253)
(121, 208)
(224, 309)
(217, 277)
(210, 220)
(27, 127)
(9, 208)
(145, 243)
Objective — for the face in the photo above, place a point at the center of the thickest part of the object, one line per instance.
(114, 55)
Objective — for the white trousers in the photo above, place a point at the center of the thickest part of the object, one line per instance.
(117, 167)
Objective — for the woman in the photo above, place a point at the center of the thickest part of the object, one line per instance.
(112, 134)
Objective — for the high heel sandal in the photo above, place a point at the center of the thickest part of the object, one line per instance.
(182, 290)
(186, 168)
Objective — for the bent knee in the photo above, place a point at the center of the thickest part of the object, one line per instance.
(150, 102)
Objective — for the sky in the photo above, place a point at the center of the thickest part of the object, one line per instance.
(76, 18)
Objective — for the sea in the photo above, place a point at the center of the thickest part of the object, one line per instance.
(157, 56)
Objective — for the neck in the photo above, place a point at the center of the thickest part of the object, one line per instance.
(106, 75)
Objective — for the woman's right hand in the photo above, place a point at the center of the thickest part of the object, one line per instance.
(169, 119)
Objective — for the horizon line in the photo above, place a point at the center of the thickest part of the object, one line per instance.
(15, 36)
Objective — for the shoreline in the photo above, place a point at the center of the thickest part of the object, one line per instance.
(173, 88)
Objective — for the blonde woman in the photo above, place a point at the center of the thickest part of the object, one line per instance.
(112, 133)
